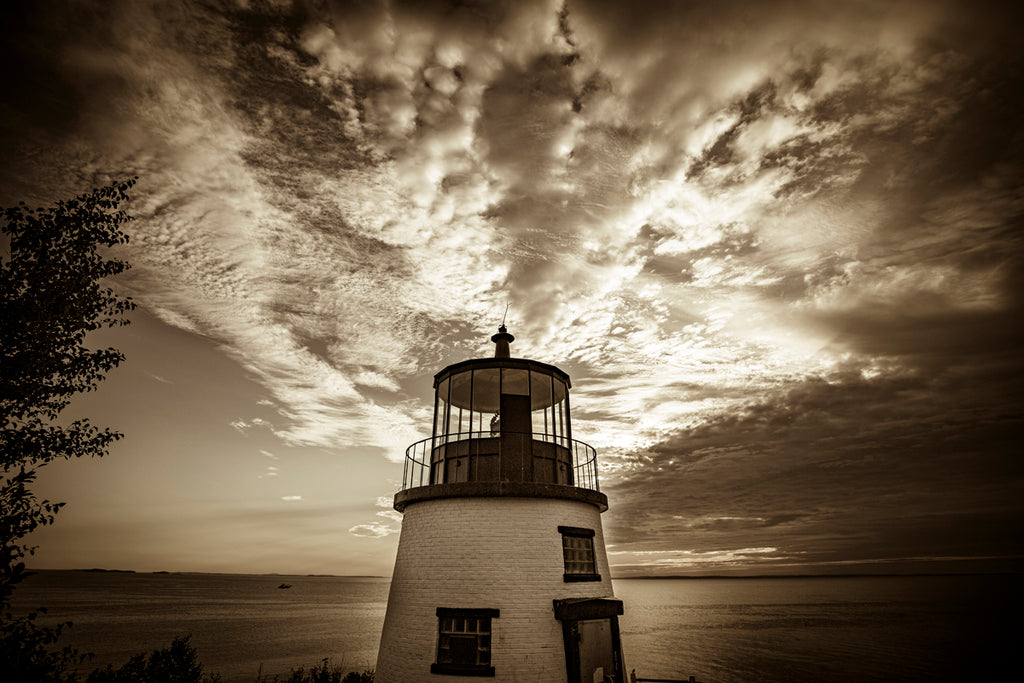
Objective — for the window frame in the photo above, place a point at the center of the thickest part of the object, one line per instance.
(578, 533)
(463, 669)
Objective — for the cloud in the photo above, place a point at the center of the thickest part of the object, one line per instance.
(374, 530)
(912, 456)
(244, 426)
(291, 498)
(777, 246)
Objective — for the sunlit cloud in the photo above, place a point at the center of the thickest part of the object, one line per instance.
(688, 559)
(374, 530)
(756, 251)
(245, 426)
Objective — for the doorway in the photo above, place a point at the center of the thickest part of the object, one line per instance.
(590, 630)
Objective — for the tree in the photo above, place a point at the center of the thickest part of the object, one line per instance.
(51, 296)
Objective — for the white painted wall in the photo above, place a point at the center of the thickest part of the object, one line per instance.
(501, 553)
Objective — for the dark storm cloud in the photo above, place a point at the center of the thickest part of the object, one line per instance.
(923, 466)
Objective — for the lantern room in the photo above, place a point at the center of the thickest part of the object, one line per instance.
(485, 397)
(501, 419)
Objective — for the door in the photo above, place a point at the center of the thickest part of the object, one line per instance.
(596, 650)
(516, 455)
(590, 629)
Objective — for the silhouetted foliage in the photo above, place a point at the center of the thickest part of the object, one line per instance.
(51, 296)
(324, 672)
(27, 651)
(175, 664)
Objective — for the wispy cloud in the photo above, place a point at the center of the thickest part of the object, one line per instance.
(765, 255)
(374, 530)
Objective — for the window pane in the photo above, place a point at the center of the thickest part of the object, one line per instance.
(442, 404)
(558, 410)
(559, 388)
(578, 552)
(453, 420)
(464, 641)
(460, 390)
(514, 381)
(540, 390)
(556, 421)
(439, 408)
(463, 650)
(540, 401)
(485, 391)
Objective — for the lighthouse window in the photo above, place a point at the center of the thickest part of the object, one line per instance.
(464, 642)
(540, 406)
(515, 381)
(578, 553)
(458, 416)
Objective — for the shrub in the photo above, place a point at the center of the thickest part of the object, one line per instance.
(324, 672)
(175, 664)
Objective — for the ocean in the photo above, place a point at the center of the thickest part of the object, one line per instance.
(719, 630)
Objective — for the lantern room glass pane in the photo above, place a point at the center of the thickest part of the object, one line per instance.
(442, 406)
(558, 421)
(540, 390)
(515, 381)
(453, 421)
(485, 391)
(559, 390)
(458, 406)
(460, 390)
(540, 403)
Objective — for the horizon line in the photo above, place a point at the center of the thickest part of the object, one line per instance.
(100, 570)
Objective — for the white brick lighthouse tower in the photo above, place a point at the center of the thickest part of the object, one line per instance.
(501, 568)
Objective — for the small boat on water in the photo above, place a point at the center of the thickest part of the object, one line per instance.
(285, 585)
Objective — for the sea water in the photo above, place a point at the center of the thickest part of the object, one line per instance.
(891, 628)
(241, 625)
(914, 628)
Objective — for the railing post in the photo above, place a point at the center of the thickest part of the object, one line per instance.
(405, 470)
(421, 468)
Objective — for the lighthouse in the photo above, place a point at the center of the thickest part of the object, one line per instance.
(501, 569)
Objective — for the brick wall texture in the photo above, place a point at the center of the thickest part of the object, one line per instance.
(500, 553)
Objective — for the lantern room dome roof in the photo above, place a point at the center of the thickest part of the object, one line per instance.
(501, 359)
(481, 363)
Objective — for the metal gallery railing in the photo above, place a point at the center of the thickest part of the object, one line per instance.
(420, 456)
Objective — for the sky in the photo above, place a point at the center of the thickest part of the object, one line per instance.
(777, 246)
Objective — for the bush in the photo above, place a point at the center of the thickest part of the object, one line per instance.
(175, 664)
(353, 677)
(322, 673)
